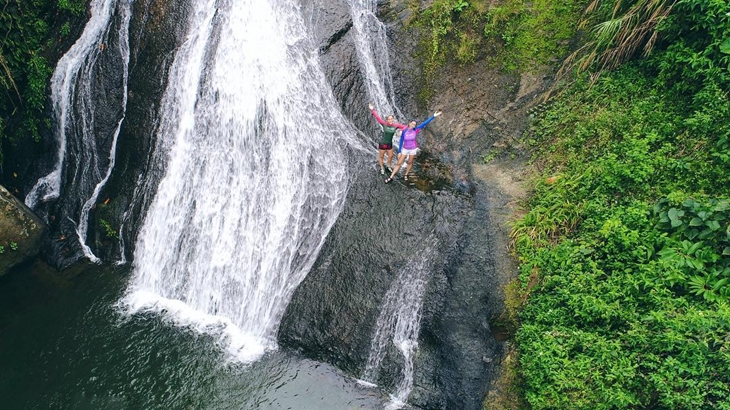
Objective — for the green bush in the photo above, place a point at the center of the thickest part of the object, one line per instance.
(625, 246)
(28, 36)
(527, 34)
(532, 33)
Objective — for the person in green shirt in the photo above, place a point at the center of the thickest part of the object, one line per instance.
(390, 127)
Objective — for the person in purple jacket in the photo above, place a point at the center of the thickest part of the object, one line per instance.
(409, 146)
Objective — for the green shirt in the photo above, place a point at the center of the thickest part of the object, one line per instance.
(388, 132)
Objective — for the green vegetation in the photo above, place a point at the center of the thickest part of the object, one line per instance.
(625, 246)
(108, 229)
(12, 245)
(523, 34)
(27, 38)
(534, 33)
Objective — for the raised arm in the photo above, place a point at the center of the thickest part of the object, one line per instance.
(375, 114)
(380, 120)
(431, 118)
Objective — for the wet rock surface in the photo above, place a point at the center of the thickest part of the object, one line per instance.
(101, 88)
(21, 231)
(457, 197)
(455, 201)
(157, 28)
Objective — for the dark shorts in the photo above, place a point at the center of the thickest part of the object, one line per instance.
(385, 147)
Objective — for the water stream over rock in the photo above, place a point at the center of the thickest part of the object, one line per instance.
(247, 195)
(89, 110)
(399, 322)
(256, 175)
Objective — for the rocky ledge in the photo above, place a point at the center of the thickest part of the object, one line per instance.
(21, 231)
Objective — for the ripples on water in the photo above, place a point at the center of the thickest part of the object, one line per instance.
(63, 345)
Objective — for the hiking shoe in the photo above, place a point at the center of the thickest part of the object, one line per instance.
(382, 171)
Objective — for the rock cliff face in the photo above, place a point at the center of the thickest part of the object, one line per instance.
(21, 231)
(157, 28)
(457, 200)
(456, 203)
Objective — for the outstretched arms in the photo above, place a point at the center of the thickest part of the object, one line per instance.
(431, 118)
(380, 120)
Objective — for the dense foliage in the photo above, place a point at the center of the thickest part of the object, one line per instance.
(29, 29)
(519, 35)
(625, 246)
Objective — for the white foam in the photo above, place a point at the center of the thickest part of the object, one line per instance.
(247, 198)
(241, 346)
(395, 403)
(366, 384)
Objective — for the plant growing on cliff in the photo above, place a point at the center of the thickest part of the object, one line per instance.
(28, 36)
(532, 34)
(108, 229)
(525, 34)
(446, 21)
(630, 27)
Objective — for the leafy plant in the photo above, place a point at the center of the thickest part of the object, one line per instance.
(631, 26)
(624, 245)
(533, 34)
(697, 247)
(24, 70)
(108, 229)
(492, 154)
(77, 7)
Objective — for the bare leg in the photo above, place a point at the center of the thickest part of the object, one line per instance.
(410, 164)
(380, 158)
(390, 158)
(401, 158)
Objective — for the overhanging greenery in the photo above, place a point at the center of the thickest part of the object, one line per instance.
(29, 30)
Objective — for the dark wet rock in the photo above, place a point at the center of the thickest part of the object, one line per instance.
(21, 231)
(332, 30)
(86, 161)
(381, 229)
(332, 315)
(157, 28)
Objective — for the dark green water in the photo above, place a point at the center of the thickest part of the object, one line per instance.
(64, 345)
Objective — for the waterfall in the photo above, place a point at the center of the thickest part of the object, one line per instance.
(256, 153)
(372, 48)
(73, 96)
(399, 322)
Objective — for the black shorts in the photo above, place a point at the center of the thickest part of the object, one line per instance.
(385, 147)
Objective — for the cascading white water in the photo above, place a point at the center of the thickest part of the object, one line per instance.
(256, 175)
(71, 87)
(399, 322)
(372, 48)
(83, 223)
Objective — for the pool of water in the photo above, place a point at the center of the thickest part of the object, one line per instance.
(65, 345)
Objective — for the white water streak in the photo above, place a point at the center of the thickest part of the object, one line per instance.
(71, 72)
(62, 84)
(372, 47)
(255, 179)
(399, 322)
(83, 223)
